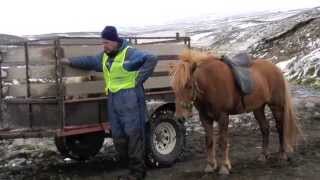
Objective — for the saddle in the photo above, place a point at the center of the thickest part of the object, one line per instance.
(239, 65)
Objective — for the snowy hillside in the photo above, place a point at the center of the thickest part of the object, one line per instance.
(279, 35)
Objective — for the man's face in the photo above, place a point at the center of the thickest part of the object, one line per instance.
(110, 46)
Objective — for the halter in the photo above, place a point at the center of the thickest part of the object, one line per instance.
(194, 89)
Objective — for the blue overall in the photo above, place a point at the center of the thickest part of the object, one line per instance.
(126, 108)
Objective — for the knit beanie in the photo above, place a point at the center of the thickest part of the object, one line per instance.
(110, 33)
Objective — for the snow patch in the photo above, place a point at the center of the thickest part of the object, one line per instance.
(283, 65)
(200, 36)
(243, 26)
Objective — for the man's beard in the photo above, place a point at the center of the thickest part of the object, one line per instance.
(115, 52)
(112, 53)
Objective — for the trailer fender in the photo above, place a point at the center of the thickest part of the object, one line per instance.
(157, 105)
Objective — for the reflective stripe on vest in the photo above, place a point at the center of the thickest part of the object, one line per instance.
(118, 78)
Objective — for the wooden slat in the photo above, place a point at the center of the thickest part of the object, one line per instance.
(36, 90)
(71, 72)
(43, 72)
(156, 49)
(163, 48)
(19, 73)
(76, 51)
(93, 87)
(157, 82)
(164, 65)
(17, 54)
(80, 41)
(48, 71)
(87, 87)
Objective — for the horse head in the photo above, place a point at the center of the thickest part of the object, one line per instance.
(183, 83)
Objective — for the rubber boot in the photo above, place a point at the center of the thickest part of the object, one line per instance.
(121, 145)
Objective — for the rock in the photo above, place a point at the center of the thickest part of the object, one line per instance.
(305, 70)
(308, 108)
(17, 162)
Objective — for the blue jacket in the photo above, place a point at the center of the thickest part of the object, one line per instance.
(127, 110)
(136, 60)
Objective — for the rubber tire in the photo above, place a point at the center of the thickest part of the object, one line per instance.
(154, 158)
(80, 147)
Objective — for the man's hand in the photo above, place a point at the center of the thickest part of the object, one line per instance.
(65, 61)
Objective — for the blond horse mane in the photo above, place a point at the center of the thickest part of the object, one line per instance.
(181, 72)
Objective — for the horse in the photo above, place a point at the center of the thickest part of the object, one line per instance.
(205, 81)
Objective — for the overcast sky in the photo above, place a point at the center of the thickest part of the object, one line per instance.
(28, 17)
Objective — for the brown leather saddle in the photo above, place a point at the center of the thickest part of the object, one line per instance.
(240, 64)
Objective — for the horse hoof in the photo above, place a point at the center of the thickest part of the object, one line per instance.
(224, 170)
(209, 169)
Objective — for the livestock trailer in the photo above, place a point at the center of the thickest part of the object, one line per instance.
(40, 97)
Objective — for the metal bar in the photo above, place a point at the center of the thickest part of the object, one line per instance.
(27, 134)
(82, 129)
(59, 84)
(157, 42)
(34, 42)
(30, 101)
(19, 63)
(102, 98)
(1, 93)
(161, 37)
(168, 57)
(27, 67)
(26, 50)
(158, 74)
(66, 131)
(159, 91)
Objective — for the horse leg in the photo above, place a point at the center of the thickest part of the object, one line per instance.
(264, 128)
(210, 144)
(223, 122)
(278, 114)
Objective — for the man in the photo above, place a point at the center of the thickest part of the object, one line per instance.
(125, 70)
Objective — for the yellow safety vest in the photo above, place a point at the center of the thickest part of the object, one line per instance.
(117, 77)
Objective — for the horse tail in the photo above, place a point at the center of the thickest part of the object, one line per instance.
(291, 127)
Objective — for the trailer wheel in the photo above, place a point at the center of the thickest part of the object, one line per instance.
(80, 147)
(166, 139)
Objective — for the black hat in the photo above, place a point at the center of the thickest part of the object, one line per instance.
(110, 33)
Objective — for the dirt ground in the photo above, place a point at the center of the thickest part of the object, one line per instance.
(245, 147)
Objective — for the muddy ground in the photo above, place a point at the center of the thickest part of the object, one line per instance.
(41, 161)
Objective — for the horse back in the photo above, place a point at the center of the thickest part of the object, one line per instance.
(218, 87)
(269, 80)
